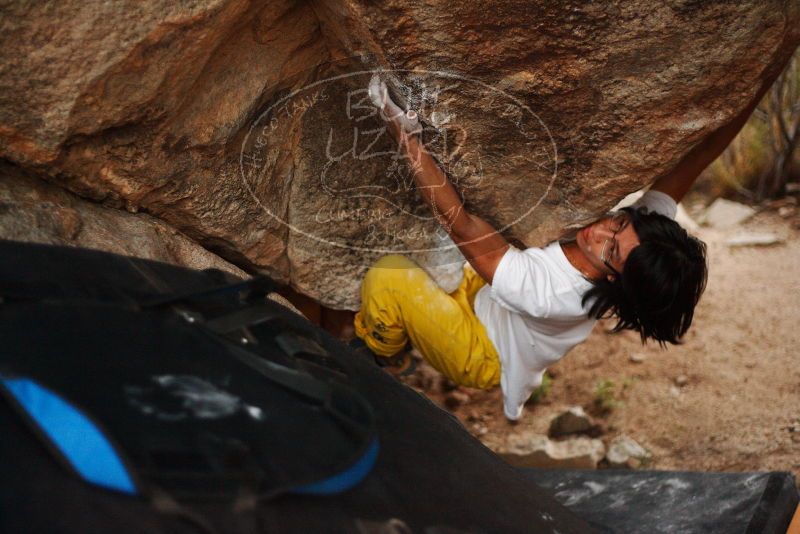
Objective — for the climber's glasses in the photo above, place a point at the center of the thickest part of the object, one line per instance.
(619, 221)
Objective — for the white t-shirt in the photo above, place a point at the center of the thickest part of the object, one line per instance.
(533, 312)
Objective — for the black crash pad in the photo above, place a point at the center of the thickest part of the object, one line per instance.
(651, 502)
(431, 476)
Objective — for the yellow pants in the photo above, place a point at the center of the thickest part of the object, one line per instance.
(399, 301)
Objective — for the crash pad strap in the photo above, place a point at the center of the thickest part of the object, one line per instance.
(346, 479)
(260, 285)
(250, 316)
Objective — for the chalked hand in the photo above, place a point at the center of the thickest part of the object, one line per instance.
(379, 95)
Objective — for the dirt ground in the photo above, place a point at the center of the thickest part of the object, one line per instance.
(728, 399)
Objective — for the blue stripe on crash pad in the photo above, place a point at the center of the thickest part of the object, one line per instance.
(346, 479)
(78, 439)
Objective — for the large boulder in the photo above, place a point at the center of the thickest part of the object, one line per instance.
(34, 211)
(243, 123)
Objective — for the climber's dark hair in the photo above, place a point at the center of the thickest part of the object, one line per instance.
(660, 285)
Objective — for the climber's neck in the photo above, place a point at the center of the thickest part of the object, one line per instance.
(578, 259)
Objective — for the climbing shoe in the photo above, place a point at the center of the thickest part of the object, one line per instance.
(400, 364)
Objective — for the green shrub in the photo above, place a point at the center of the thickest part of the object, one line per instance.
(605, 395)
(738, 168)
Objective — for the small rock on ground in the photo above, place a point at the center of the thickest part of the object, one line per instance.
(637, 357)
(456, 398)
(528, 449)
(625, 453)
(754, 239)
(724, 213)
(572, 421)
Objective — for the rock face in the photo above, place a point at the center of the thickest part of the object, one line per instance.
(34, 211)
(243, 123)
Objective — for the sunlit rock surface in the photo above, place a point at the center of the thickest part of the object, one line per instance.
(244, 126)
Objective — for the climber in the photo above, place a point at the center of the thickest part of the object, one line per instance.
(518, 311)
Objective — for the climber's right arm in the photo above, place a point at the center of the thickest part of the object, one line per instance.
(479, 241)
